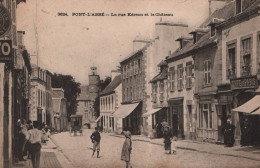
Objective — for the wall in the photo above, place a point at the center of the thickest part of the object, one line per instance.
(235, 32)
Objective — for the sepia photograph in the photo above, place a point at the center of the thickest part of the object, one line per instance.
(129, 83)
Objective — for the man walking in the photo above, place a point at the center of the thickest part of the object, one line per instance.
(95, 138)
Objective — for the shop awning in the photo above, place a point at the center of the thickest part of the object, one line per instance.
(125, 110)
(150, 112)
(98, 118)
(250, 106)
(257, 112)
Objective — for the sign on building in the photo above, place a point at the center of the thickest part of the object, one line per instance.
(244, 83)
(6, 51)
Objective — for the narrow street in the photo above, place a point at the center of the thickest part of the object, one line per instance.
(77, 149)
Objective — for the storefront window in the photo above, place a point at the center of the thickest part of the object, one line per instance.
(206, 116)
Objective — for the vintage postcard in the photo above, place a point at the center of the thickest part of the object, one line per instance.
(140, 83)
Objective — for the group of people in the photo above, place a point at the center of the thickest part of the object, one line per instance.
(28, 139)
(126, 150)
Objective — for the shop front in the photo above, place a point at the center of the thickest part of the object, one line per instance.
(130, 115)
(207, 122)
(175, 117)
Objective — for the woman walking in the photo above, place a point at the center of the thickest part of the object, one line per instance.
(167, 136)
(127, 148)
(35, 136)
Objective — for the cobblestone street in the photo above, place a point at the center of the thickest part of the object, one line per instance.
(78, 150)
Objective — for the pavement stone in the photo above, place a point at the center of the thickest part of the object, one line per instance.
(50, 158)
(248, 152)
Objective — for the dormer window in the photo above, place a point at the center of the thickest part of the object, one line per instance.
(212, 30)
(194, 38)
(238, 6)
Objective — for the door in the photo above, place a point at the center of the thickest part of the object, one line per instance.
(175, 125)
(180, 121)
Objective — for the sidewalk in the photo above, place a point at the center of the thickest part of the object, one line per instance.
(50, 158)
(248, 152)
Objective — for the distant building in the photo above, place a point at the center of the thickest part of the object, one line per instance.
(88, 97)
(110, 101)
(59, 110)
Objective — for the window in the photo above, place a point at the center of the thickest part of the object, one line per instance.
(172, 78)
(158, 69)
(246, 56)
(124, 72)
(231, 61)
(131, 93)
(139, 65)
(127, 71)
(132, 68)
(180, 77)
(238, 6)
(212, 30)
(206, 116)
(154, 92)
(189, 75)
(207, 75)
(161, 90)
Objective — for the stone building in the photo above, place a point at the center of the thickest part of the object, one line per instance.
(7, 113)
(88, 97)
(140, 67)
(159, 99)
(110, 101)
(60, 122)
(240, 62)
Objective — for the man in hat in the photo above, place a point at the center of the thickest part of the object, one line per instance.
(229, 133)
(95, 138)
(127, 148)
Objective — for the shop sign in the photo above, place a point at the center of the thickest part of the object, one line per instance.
(244, 83)
(5, 21)
(6, 51)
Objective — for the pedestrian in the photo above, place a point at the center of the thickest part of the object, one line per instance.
(167, 136)
(35, 136)
(95, 138)
(174, 144)
(28, 144)
(229, 134)
(127, 148)
(246, 134)
(21, 138)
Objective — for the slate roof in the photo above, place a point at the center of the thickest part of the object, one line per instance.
(112, 85)
(160, 76)
(84, 94)
(134, 53)
(224, 13)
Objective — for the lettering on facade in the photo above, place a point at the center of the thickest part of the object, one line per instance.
(244, 83)
(5, 21)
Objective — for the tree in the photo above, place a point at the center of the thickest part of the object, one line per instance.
(71, 91)
(102, 86)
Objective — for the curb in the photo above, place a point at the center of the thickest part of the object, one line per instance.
(60, 152)
(192, 149)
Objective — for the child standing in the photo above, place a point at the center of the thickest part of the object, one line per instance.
(174, 145)
(95, 138)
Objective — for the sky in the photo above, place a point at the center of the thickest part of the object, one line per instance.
(72, 44)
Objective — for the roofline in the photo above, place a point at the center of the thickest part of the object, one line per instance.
(189, 53)
(239, 18)
(139, 52)
(171, 24)
(105, 94)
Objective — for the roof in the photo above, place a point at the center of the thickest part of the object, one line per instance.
(135, 53)
(162, 63)
(200, 30)
(224, 13)
(171, 24)
(184, 38)
(112, 85)
(160, 76)
(84, 93)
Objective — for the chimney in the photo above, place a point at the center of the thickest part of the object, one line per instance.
(216, 4)
(140, 42)
(114, 73)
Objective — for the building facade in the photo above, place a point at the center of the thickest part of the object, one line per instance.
(240, 68)
(110, 101)
(88, 97)
(59, 109)
(159, 99)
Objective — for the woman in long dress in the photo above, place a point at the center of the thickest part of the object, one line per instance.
(127, 148)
